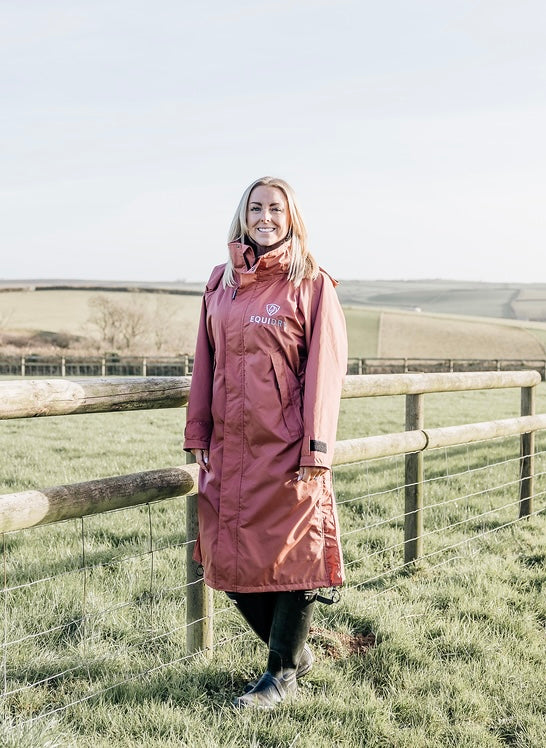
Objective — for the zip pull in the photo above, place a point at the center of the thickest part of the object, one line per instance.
(234, 293)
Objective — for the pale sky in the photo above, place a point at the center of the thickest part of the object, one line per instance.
(413, 131)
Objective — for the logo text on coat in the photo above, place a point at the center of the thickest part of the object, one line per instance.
(271, 310)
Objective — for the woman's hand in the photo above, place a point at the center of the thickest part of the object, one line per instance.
(307, 473)
(202, 458)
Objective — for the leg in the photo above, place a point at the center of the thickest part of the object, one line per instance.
(289, 630)
(257, 608)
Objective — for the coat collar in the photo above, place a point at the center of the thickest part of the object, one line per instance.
(245, 263)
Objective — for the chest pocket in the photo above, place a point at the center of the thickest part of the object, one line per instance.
(290, 395)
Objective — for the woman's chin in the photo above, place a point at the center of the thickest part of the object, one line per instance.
(265, 240)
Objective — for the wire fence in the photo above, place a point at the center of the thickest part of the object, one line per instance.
(469, 500)
(93, 604)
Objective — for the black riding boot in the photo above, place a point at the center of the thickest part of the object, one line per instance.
(258, 608)
(289, 630)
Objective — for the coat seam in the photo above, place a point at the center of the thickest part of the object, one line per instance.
(242, 411)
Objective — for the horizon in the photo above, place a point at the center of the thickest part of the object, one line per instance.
(183, 281)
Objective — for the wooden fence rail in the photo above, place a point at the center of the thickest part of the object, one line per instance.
(60, 397)
(20, 399)
(25, 509)
(54, 397)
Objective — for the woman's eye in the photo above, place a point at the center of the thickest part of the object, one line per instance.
(254, 209)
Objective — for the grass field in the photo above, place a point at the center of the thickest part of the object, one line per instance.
(372, 332)
(459, 646)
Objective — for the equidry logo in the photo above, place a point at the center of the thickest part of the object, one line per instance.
(271, 310)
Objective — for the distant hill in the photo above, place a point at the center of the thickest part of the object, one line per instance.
(505, 300)
(413, 319)
(176, 287)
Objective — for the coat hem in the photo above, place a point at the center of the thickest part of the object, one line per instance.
(274, 587)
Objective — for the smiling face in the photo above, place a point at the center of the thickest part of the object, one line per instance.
(267, 215)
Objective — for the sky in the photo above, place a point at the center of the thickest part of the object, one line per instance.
(413, 132)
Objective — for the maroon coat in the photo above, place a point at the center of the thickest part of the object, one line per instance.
(264, 399)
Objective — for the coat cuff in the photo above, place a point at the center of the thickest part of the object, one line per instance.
(197, 435)
(315, 453)
(190, 444)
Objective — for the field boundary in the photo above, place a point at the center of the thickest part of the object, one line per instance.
(165, 366)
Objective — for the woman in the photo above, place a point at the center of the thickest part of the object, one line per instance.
(270, 359)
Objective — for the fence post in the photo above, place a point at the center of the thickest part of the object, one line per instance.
(144, 367)
(63, 366)
(22, 366)
(413, 523)
(527, 455)
(199, 597)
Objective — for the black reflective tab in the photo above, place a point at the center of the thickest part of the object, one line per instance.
(316, 446)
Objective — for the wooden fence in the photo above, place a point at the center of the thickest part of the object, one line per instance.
(168, 366)
(430, 365)
(34, 365)
(27, 398)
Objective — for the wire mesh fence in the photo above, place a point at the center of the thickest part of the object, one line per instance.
(94, 603)
(471, 492)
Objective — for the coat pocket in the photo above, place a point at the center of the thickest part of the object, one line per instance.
(289, 392)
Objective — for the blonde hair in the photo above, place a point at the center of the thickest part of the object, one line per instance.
(302, 263)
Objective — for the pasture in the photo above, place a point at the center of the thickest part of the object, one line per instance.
(449, 656)
(478, 299)
(373, 332)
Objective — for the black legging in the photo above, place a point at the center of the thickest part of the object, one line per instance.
(281, 620)
(257, 608)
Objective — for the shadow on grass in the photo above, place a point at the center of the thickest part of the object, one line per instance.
(200, 683)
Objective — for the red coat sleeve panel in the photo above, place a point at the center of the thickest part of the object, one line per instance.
(326, 338)
(199, 419)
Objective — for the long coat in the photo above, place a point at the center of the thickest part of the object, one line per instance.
(264, 399)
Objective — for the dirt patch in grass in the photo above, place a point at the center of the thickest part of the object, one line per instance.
(338, 645)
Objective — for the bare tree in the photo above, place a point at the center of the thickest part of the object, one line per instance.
(135, 321)
(106, 317)
(165, 322)
(6, 316)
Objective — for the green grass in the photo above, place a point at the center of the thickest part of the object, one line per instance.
(458, 659)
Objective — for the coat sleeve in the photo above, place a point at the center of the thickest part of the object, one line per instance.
(199, 417)
(326, 339)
